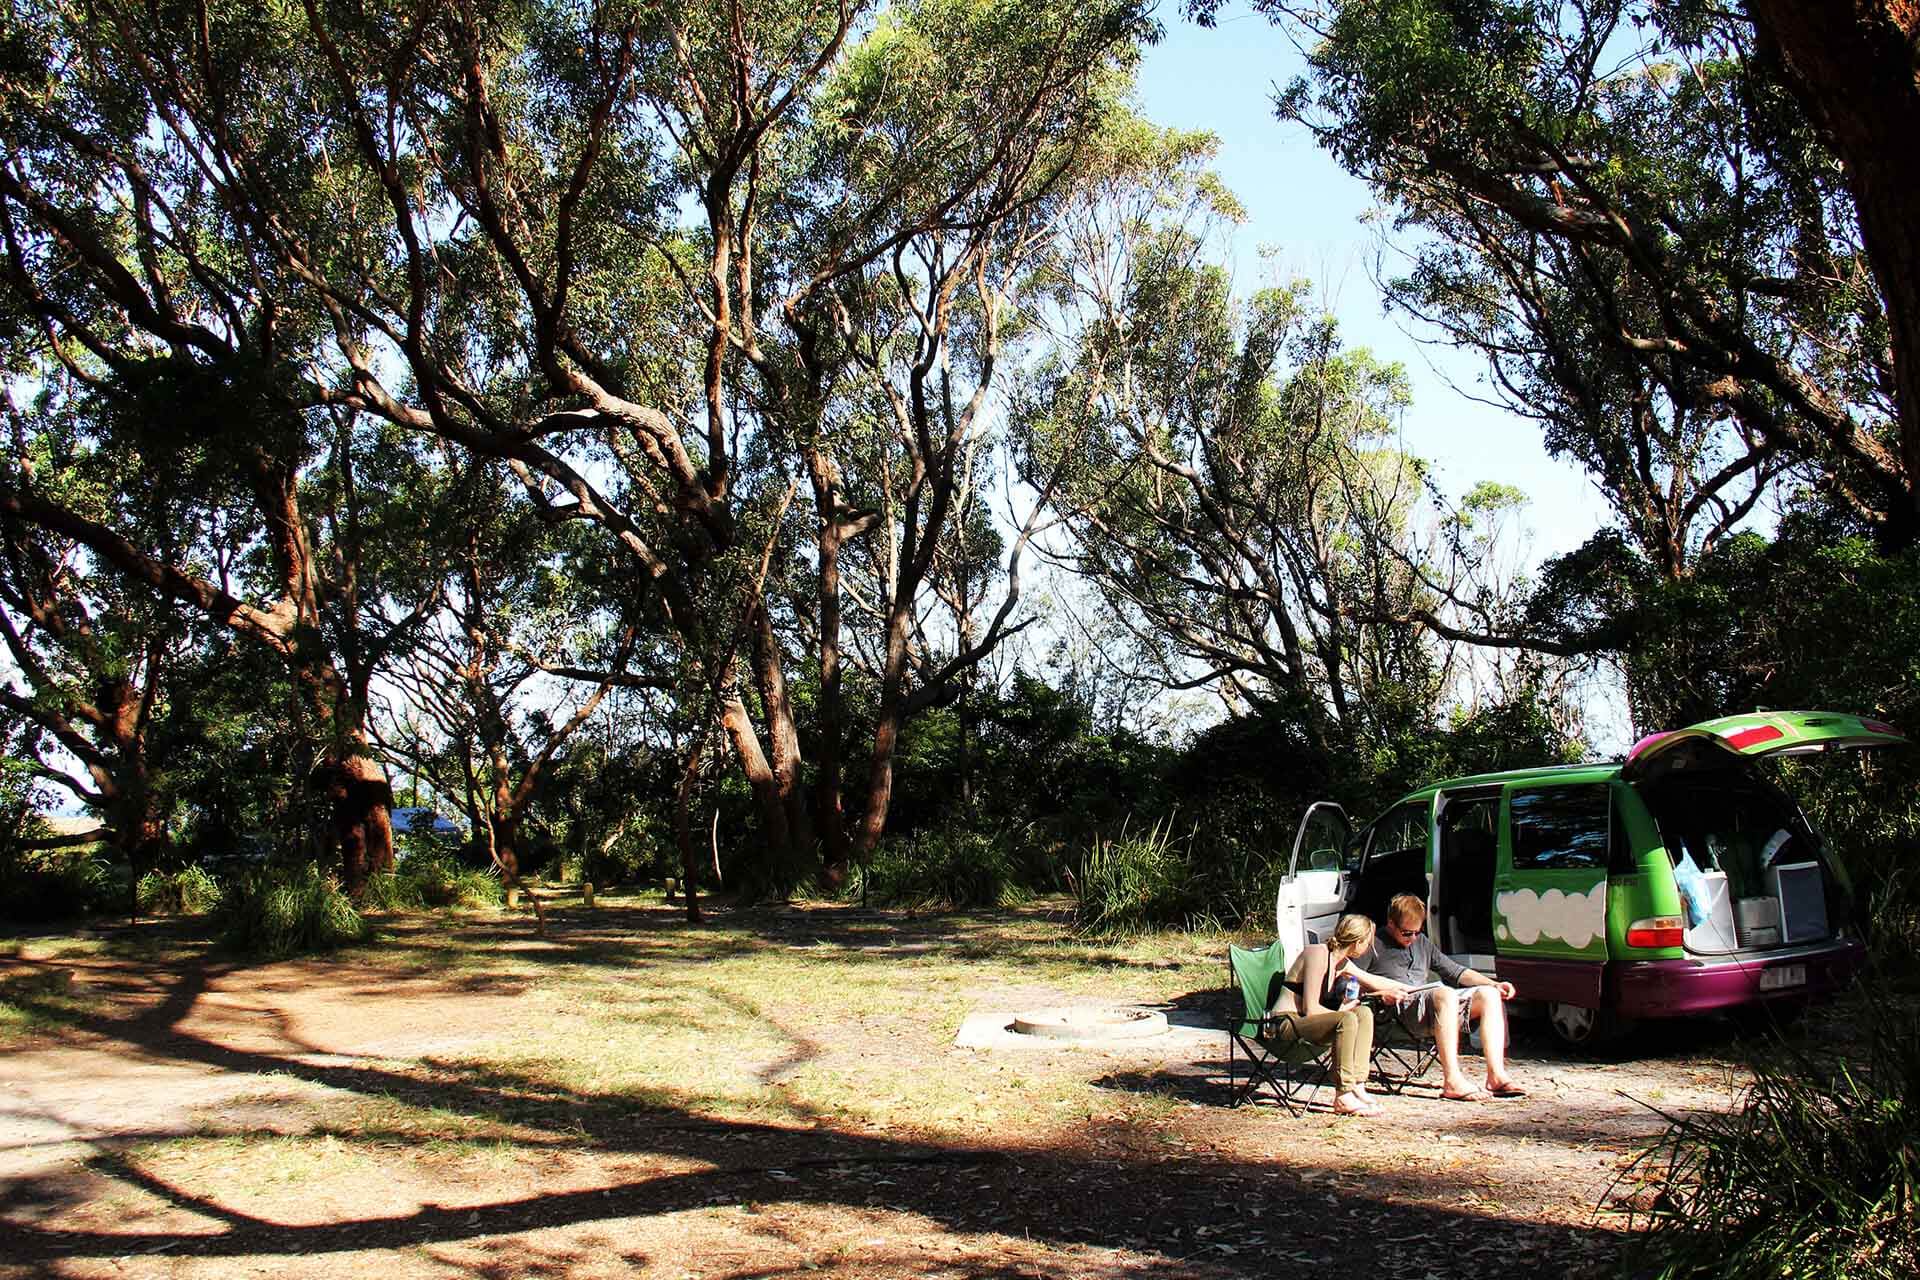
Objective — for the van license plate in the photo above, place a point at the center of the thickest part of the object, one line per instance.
(1787, 975)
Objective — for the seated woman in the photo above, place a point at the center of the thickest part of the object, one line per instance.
(1320, 1007)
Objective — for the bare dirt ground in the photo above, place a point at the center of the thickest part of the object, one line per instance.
(759, 1096)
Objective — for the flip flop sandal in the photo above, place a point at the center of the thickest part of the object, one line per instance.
(1476, 1095)
(1508, 1091)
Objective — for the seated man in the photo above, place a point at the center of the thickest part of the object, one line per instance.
(1403, 957)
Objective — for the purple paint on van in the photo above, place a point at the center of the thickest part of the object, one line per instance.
(1667, 988)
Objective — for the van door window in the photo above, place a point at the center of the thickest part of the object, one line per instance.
(1396, 859)
(1550, 900)
(1560, 828)
(1621, 858)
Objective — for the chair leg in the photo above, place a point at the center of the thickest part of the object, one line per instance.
(1260, 1070)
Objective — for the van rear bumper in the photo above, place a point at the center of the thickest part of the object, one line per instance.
(1670, 988)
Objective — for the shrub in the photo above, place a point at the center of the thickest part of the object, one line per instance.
(439, 879)
(189, 892)
(1811, 1175)
(284, 910)
(390, 891)
(1134, 883)
(944, 868)
(1893, 916)
(58, 883)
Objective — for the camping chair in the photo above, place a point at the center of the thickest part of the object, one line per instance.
(1400, 1057)
(1276, 1055)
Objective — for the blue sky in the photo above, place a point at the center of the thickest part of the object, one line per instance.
(1302, 205)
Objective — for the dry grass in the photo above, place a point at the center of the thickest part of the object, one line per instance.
(766, 1093)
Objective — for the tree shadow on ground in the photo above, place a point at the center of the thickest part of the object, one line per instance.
(1100, 1185)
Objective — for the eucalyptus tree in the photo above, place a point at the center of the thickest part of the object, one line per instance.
(1695, 285)
(486, 697)
(176, 354)
(1230, 473)
(294, 554)
(91, 661)
(929, 175)
(595, 244)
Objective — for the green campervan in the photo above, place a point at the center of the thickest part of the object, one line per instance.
(1678, 881)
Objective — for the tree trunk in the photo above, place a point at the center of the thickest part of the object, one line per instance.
(140, 836)
(766, 788)
(780, 731)
(506, 846)
(1856, 68)
(835, 858)
(886, 736)
(361, 819)
(683, 829)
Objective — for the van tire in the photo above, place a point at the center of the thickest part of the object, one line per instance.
(1588, 1030)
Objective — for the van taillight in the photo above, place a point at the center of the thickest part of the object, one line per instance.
(1661, 931)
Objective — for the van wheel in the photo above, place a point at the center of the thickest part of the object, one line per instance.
(1584, 1028)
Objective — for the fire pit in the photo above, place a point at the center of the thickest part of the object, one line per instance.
(1090, 1024)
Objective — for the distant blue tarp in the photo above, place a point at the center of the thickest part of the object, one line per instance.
(423, 822)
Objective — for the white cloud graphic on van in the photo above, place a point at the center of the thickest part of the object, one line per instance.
(1574, 918)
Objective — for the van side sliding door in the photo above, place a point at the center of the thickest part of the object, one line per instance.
(1550, 890)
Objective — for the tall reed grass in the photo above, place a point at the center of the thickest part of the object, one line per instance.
(1813, 1175)
(944, 868)
(1137, 881)
(191, 891)
(282, 910)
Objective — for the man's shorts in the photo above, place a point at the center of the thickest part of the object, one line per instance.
(1417, 1014)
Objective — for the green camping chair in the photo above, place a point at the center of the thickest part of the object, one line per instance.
(1276, 1056)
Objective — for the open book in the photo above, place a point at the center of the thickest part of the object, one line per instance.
(1425, 986)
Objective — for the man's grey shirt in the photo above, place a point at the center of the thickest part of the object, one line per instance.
(1410, 964)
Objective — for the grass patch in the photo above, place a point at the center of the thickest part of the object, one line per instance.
(824, 1016)
(257, 1164)
(629, 1024)
(40, 1000)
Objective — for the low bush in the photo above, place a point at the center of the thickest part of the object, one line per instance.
(944, 868)
(1136, 882)
(389, 891)
(440, 879)
(288, 909)
(58, 884)
(188, 892)
(1812, 1175)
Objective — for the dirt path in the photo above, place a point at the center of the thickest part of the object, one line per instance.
(192, 1118)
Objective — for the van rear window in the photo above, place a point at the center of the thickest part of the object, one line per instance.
(1731, 824)
(1560, 827)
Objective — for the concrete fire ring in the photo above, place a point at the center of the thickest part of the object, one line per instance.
(1090, 1024)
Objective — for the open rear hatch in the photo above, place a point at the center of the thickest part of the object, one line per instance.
(1764, 733)
(1759, 877)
